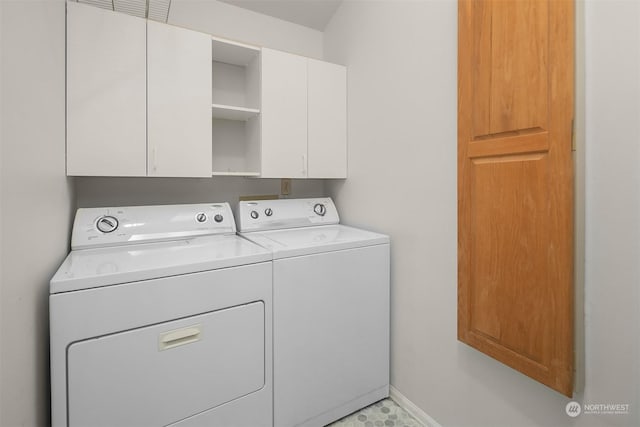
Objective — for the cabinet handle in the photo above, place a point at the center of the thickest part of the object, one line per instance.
(154, 155)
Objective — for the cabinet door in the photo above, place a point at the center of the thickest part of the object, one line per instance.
(515, 185)
(179, 101)
(106, 92)
(327, 120)
(284, 115)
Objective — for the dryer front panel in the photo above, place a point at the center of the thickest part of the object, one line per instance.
(161, 374)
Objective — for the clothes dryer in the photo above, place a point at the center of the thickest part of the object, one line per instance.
(161, 315)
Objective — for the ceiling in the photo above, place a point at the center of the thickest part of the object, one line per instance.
(309, 13)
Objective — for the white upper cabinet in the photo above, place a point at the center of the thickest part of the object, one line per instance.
(327, 120)
(106, 93)
(150, 99)
(284, 115)
(304, 117)
(138, 96)
(179, 101)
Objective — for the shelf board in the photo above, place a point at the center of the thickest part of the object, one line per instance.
(231, 52)
(214, 173)
(230, 112)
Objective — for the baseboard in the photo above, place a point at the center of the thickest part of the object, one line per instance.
(411, 408)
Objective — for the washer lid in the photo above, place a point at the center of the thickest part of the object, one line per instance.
(92, 268)
(313, 240)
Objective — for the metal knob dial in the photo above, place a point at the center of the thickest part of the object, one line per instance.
(320, 209)
(254, 214)
(201, 217)
(218, 218)
(268, 212)
(107, 224)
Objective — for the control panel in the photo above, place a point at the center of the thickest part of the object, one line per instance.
(96, 227)
(263, 215)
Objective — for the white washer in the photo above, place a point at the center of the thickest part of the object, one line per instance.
(161, 315)
(331, 309)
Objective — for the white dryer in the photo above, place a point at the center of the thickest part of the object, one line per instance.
(330, 309)
(161, 315)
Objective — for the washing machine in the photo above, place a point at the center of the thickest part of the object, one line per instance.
(330, 309)
(161, 315)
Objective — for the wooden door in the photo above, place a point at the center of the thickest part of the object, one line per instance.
(179, 92)
(106, 93)
(284, 115)
(327, 105)
(515, 184)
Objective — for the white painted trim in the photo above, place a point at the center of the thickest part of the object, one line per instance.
(411, 408)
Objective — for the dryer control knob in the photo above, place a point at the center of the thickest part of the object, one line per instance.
(268, 212)
(201, 217)
(320, 209)
(107, 224)
(254, 214)
(218, 218)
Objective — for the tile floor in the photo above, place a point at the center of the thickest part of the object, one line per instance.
(385, 413)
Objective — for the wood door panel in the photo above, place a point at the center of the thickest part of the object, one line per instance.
(515, 183)
(527, 141)
(511, 55)
(510, 222)
(519, 39)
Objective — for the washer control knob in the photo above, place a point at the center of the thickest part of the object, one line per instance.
(254, 214)
(320, 209)
(201, 217)
(218, 218)
(107, 224)
(268, 212)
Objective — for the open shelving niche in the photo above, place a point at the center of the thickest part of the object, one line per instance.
(236, 108)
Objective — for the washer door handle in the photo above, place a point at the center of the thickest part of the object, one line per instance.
(178, 337)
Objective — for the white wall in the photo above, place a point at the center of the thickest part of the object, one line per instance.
(36, 200)
(234, 23)
(402, 164)
(91, 192)
(612, 297)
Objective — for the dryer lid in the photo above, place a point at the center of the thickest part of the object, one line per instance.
(104, 266)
